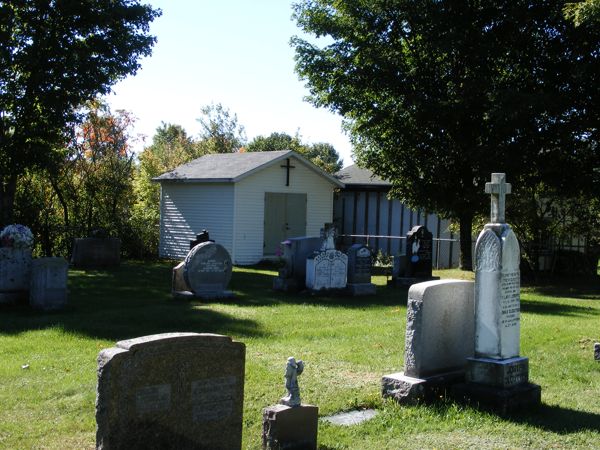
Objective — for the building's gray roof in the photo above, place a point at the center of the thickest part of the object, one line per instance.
(356, 176)
(232, 167)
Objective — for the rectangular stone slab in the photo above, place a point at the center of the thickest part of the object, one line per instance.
(172, 390)
(501, 373)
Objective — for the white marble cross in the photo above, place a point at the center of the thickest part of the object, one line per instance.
(498, 188)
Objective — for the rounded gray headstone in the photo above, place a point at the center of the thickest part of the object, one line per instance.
(207, 268)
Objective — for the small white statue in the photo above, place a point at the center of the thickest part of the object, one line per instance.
(293, 368)
(328, 234)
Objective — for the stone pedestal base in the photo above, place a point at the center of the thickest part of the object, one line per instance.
(285, 284)
(503, 373)
(408, 281)
(502, 401)
(358, 289)
(410, 391)
(286, 427)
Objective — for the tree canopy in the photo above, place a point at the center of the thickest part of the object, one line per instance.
(54, 57)
(438, 95)
(321, 154)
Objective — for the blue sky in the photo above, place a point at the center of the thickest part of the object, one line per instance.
(233, 52)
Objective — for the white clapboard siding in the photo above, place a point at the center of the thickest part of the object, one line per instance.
(188, 208)
(250, 205)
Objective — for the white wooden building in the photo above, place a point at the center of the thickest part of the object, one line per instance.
(248, 202)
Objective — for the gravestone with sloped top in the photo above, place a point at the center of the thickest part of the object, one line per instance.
(171, 390)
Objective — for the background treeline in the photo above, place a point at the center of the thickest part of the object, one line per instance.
(100, 186)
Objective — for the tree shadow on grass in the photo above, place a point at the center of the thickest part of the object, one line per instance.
(129, 301)
(256, 289)
(537, 307)
(558, 420)
(582, 288)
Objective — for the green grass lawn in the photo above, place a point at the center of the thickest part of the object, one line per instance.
(347, 344)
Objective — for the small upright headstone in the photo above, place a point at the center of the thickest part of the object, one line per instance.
(48, 288)
(172, 390)
(15, 273)
(291, 424)
(292, 276)
(497, 377)
(415, 265)
(360, 261)
(327, 268)
(439, 338)
(205, 273)
(200, 238)
(597, 351)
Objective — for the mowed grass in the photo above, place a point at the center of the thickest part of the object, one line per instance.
(48, 361)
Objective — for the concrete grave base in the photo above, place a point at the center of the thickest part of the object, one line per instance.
(286, 427)
(410, 391)
(501, 401)
(408, 281)
(502, 373)
(359, 289)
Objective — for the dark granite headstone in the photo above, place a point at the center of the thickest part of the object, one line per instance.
(286, 427)
(172, 390)
(419, 248)
(200, 238)
(359, 270)
(96, 252)
(295, 252)
(207, 271)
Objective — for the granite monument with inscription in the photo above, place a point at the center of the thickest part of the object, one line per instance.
(497, 376)
(360, 262)
(415, 265)
(327, 268)
(172, 390)
(205, 273)
(439, 339)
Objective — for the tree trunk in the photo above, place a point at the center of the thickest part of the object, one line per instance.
(8, 188)
(466, 232)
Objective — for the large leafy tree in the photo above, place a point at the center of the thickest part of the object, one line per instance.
(55, 55)
(439, 94)
(321, 154)
(220, 131)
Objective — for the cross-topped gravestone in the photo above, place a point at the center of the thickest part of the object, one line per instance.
(288, 166)
(498, 188)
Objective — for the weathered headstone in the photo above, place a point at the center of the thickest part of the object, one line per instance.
(172, 390)
(292, 276)
(205, 273)
(96, 252)
(48, 287)
(415, 265)
(497, 377)
(360, 261)
(439, 338)
(15, 273)
(597, 351)
(328, 267)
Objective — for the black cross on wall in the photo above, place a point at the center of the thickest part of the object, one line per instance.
(288, 166)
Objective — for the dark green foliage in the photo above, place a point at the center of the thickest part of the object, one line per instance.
(438, 95)
(55, 55)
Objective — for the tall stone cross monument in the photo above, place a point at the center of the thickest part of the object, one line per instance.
(497, 374)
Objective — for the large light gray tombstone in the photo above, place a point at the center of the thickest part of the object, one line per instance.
(205, 273)
(172, 390)
(48, 287)
(326, 269)
(439, 339)
(497, 376)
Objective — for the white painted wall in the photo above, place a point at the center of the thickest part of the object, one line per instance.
(188, 208)
(250, 204)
